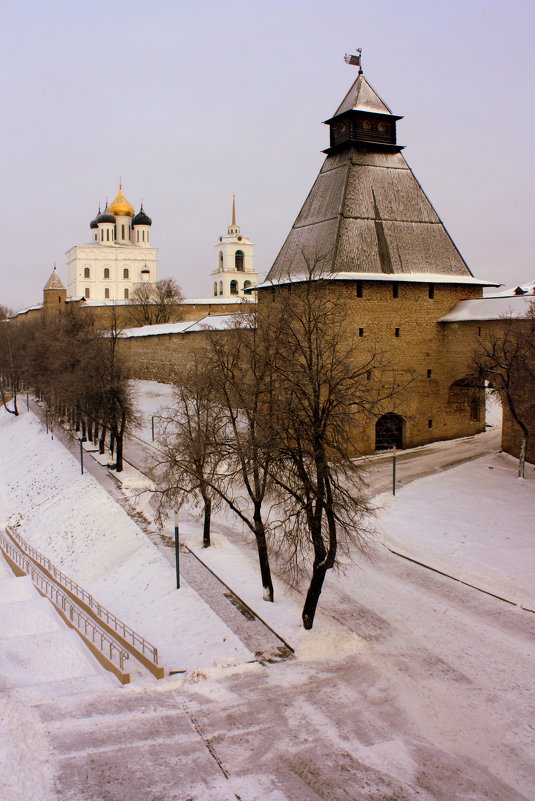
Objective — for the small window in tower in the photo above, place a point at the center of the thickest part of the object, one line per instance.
(126, 273)
(122, 231)
(126, 294)
(86, 292)
(246, 284)
(106, 272)
(108, 234)
(137, 236)
(361, 332)
(238, 261)
(398, 332)
(359, 289)
(95, 236)
(106, 293)
(220, 259)
(215, 289)
(430, 423)
(233, 287)
(221, 287)
(87, 272)
(143, 235)
(429, 373)
(102, 236)
(395, 290)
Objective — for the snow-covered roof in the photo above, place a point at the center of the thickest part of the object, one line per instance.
(218, 322)
(425, 278)
(509, 303)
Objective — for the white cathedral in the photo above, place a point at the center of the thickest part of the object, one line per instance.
(118, 257)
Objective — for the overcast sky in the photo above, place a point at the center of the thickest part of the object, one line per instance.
(191, 102)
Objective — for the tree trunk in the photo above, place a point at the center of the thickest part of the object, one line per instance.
(207, 520)
(102, 440)
(119, 452)
(313, 594)
(261, 544)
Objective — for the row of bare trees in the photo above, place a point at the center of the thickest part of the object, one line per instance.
(75, 369)
(263, 421)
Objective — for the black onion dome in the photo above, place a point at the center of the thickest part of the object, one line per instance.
(105, 217)
(94, 223)
(141, 218)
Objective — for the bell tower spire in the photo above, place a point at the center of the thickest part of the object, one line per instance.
(233, 229)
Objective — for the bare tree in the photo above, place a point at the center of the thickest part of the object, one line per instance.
(5, 312)
(325, 383)
(189, 441)
(506, 361)
(154, 303)
(241, 367)
(11, 366)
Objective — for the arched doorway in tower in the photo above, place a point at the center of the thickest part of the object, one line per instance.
(389, 432)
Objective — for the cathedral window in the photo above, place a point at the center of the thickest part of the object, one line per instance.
(87, 272)
(238, 261)
(106, 272)
(220, 259)
(126, 294)
(143, 235)
(137, 236)
(106, 293)
(86, 292)
(126, 273)
(215, 289)
(122, 232)
(233, 287)
(430, 423)
(246, 285)
(102, 236)
(221, 287)
(107, 234)
(359, 289)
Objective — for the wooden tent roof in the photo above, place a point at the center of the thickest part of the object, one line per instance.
(367, 213)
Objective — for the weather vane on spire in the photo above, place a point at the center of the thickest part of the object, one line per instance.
(354, 61)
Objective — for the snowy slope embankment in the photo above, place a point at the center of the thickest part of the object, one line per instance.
(72, 520)
(473, 522)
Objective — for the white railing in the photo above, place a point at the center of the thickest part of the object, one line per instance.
(139, 642)
(79, 619)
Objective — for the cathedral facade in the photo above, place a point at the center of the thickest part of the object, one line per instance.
(118, 256)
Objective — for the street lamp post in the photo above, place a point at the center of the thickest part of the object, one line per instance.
(394, 471)
(177, 552)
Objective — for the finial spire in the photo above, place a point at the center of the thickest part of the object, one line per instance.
(233, 211)
(354, 61)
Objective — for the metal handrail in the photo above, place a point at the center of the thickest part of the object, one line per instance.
(139, 642)
(84, 624)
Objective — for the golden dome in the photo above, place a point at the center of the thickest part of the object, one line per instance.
(120, 206)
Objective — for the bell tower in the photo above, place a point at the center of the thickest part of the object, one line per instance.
(234, 271)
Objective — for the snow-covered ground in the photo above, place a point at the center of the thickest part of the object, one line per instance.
(71, 519)
(415, 686)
